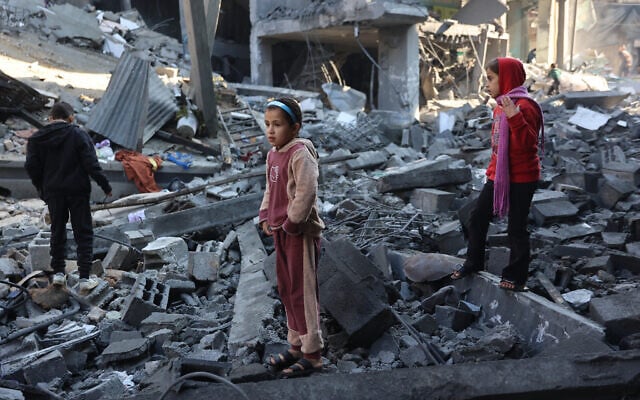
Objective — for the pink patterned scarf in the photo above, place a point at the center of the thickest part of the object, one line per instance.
(501, 186)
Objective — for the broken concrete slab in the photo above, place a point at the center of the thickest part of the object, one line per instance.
(46, 368)
(368, 159)
(190, 220)
(613, 190)
(605, 99)
(351, 290)
(619, 313)
(429, 267)
(423, 174)
(571, 376)
(252, 304)
(203, 266)
(70, 23)
(544, 321)
(123, 350)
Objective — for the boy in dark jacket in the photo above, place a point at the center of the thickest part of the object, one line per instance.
(60, 159)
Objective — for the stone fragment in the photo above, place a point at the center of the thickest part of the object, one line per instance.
(431, 200)
(619, 313)
(553, 211)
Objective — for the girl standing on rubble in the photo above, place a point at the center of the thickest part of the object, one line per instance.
(512, 175)
(289, 213)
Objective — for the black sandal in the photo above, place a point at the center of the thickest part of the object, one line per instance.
(461, 272)
(280, 361)
(301, 368)
(507, 284)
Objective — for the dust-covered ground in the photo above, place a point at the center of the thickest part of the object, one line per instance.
(62, 70)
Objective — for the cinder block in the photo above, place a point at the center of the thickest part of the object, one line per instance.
(432, 200)
(39, 251)
(146, 296)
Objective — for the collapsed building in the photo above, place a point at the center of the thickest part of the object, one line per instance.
(187, 283)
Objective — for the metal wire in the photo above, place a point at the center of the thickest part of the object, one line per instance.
(205, 375)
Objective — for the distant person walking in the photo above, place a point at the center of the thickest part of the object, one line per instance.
(512, 175)
(626, 61)
(289, 213)
(554, 74)
(60, 159)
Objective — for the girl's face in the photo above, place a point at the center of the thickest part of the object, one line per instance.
(279, 132)
(493, 84)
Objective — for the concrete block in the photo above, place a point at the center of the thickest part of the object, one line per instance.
(626, 261)
(498, 260)
(453, 318)
(627, 171)
(45, 369)
(39, 250)
(595, 264)
(423, 174)
(426, 324)
(253, 372)
(166, 250)
(613, 190)
(117, 336)
(76, 361)
(575, 250)
(633, 249)
(9, 269)
(120, 257)
(634, 228)
(368, 159)
(619, 313)
(545, 196)
(431, 200)
(553, 211)
(10, 394)
(128, 349)
(378, 254)
(206, 361)
(110, 389)
(450, 238)
(158, 321)
(146, 296)
(139, 238)
(203, 266)
(413, 357)
(614, 240)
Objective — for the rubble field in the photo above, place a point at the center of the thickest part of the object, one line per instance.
(186, 283)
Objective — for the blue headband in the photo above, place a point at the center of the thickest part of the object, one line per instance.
(285, 108)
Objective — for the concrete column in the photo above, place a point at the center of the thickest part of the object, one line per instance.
(125, 5)
(518, 29)
(399, 80)
(261, 60)
(561, 33)
(545, 43)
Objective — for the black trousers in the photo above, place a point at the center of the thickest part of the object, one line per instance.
(520, 196)
(60, 208)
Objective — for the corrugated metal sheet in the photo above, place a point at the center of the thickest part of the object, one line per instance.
(135, 105)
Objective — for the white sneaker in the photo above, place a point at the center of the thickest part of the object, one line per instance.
(59, 279)
(85, 286)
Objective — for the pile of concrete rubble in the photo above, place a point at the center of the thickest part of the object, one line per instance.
(187, 282)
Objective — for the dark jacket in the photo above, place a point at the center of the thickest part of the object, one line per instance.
(60, 160)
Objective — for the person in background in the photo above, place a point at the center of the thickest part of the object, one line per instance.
(625, 60)
(554, 74)
(512, 174)
(289, 213)
(60, 160)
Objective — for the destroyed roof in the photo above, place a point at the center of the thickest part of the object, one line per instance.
(135, 105)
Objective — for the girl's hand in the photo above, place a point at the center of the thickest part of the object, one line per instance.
(509, 107)
(266, 228)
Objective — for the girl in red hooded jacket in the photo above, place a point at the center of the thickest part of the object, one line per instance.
(512, 175)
